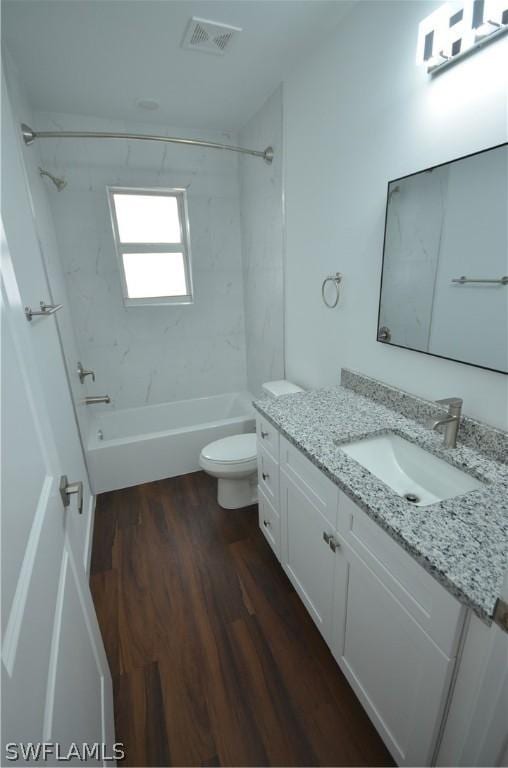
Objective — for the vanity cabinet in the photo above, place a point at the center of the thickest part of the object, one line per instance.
(393, 630)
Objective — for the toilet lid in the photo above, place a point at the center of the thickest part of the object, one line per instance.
(232, 450)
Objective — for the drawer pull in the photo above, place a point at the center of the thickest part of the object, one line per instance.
(267, 524)
(264, 434)
(265, 475)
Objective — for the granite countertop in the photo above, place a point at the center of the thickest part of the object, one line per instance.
(462, 541)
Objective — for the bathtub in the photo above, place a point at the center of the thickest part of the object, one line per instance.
(139, 445)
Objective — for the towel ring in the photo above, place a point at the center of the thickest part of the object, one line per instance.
(337, 279)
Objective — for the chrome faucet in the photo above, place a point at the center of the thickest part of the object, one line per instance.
(451, 421)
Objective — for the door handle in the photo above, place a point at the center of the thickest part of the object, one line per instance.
(331, 541)
(68, 489)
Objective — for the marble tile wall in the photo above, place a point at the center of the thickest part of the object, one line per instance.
(153, 354)
(263, 246)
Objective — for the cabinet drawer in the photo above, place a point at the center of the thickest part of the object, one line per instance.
(269, 522)
(431, 606)
(268, 476)
(268, 437)
(310, 479)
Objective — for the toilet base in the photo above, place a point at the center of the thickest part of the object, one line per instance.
(235, 494)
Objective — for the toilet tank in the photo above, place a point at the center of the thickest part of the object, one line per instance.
(282, 387)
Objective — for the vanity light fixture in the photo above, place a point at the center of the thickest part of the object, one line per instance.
(457, 29)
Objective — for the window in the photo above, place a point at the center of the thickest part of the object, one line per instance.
(151, 232)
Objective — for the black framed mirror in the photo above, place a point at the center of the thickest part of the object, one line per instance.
(444, 281)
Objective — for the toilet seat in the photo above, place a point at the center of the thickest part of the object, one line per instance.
(233, 460)
(236, 450)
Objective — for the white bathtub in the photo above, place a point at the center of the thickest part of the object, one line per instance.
(139, 445)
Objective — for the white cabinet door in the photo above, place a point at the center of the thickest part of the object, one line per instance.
(306, 557)
(397, 671)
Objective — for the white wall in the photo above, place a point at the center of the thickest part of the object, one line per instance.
(357, 113)
(262, 246)
(151, 354)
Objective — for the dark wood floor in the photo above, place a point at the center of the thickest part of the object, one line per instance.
(214, 659)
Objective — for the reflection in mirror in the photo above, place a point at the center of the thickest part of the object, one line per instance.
(444, 287)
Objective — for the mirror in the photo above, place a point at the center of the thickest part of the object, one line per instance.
(444, 283)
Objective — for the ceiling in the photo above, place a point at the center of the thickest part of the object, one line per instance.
(100, 57)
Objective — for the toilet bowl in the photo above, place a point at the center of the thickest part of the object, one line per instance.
(233, 460)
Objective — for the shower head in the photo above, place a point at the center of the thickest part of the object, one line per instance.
(59, 183)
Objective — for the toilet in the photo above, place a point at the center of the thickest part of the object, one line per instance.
(233, 460)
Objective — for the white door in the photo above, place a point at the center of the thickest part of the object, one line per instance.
(56, 685)
(26, 251)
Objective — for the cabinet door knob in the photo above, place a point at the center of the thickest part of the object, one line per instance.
(264, 434)
(265, 475)
(266, 524)
(327, 537)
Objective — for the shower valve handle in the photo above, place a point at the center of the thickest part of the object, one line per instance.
(83, 372)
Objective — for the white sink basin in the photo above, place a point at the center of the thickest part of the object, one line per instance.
(409, 470)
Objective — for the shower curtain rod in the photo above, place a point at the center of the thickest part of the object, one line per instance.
(30, 135)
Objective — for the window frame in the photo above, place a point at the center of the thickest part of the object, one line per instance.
(180, 193)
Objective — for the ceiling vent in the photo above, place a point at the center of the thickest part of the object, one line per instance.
(209, 36)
